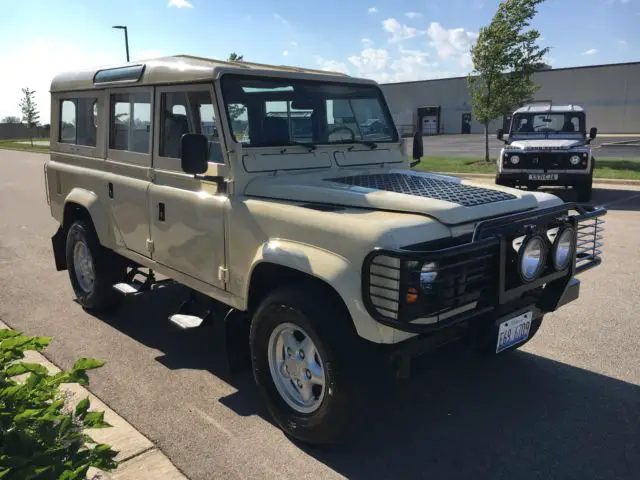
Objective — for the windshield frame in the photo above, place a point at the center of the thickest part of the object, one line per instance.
(581, 132)
(394, 136)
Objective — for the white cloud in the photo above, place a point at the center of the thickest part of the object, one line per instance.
(285, 53)
(331, 65)
(452, 43)
(370, 59)
(373, 10)
(281, 20)
(413, 14)
(398, 31)
(294, 44)
(591, 51)
(378, 64)
(366, 42)
(623, 43)
(180, 4)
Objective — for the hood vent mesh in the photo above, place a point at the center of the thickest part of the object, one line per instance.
(465, 195)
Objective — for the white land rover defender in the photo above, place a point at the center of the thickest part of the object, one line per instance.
(296, 226)
(548, 145)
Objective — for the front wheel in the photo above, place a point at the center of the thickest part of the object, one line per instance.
(93, 269)
(300, 364)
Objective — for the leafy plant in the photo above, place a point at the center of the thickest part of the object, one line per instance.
(236, 110)
(40, 436)
(504, 58)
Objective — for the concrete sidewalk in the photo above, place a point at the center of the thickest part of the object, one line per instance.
(138, 458)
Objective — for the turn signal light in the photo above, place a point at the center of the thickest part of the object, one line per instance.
(412, 295)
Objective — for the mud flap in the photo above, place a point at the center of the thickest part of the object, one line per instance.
(58, 242)
(235, 336)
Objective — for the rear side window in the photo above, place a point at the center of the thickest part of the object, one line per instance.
(78, 121)
(130, 122)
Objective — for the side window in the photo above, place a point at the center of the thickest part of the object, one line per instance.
(188, 111)
(130, 122)
(78, 121)
(68, 121)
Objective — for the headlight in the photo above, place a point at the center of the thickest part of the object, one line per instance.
(515, 159)
(575, 160)
(531, 260)
(564, 247)
(428, 275)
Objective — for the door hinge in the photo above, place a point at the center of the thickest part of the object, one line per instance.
(223, 274)
(150, 246)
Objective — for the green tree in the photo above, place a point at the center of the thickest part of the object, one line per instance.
(11, 119)
(505, 56)
(30, 113)
(234, 57)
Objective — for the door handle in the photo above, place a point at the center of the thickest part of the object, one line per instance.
(161, 212)
(110, 190)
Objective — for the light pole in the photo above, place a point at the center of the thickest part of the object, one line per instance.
(126, 37)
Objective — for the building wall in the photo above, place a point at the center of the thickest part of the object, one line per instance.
(608, 93)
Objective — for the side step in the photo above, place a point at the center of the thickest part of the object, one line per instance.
(193, 312)
(132, 286)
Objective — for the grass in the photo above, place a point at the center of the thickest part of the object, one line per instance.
(609, 167)
(19, 145)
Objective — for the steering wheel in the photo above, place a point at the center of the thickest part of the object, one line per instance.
(351, 132)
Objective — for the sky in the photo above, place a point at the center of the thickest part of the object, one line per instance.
(387, 40)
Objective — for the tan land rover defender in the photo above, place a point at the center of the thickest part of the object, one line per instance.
(282, 198)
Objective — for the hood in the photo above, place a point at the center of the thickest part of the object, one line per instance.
(447, 199)
(546, 144)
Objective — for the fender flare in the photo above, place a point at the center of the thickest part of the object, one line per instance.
(334, 270)
(98, 212)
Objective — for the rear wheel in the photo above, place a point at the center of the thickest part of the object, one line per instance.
(93, 269)
(301, 363)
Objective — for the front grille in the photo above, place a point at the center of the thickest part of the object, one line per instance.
(545, 160)
(418, 186)
(466, 280)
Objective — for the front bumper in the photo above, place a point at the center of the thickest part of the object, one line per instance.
(497, 293)
(562, 179)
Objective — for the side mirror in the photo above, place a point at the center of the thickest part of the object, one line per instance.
(418, 148)
(593, 132)
(194, 153)
(500, 134)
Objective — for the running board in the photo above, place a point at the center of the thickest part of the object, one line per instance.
(185, 322)
(132, 286)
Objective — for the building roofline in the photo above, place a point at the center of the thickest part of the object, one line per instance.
(579, 67)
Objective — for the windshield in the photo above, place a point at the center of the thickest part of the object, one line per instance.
(535, 123)
(282, 111)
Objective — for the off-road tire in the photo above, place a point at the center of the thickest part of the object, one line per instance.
(329, 326)
(108, 268)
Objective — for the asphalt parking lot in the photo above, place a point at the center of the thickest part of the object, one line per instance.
(566, 406)
(473, 146)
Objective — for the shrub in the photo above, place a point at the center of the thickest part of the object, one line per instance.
(40, 436)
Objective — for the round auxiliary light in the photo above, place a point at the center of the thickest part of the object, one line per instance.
(563, 249)
(575, 160)
(515, 159)
(532, 256)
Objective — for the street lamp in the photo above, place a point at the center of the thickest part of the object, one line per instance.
(126, 37)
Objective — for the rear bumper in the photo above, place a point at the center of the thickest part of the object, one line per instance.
(522, 178)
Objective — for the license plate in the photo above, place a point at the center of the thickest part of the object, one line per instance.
(514, 331)
(543, 176)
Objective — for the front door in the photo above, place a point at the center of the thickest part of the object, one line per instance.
(187, 214)
(128, 164)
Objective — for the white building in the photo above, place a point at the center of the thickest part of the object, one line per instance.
(610, 94)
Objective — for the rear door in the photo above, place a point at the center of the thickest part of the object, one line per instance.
(129, 164)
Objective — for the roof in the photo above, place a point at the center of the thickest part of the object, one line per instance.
(175, 69)
(548, 107)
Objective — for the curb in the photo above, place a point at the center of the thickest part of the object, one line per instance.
(138, 457)
(613, 181)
